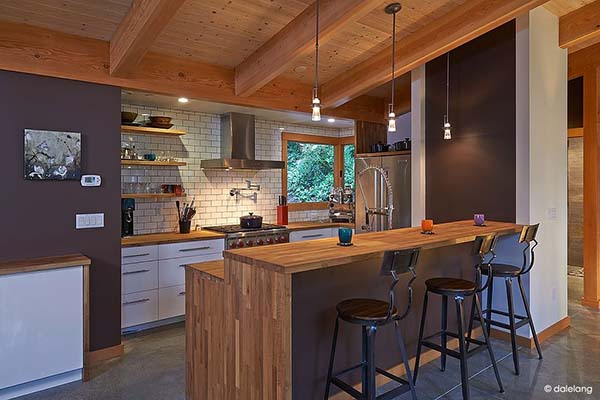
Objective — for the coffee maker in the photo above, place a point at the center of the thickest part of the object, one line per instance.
(127, 209)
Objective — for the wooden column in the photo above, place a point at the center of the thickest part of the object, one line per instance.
(591, 187)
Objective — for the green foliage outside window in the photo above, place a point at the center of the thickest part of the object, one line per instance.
(349, 165)
(310, 172)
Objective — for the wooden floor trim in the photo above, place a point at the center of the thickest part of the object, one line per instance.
(95, 357)
(542, 336)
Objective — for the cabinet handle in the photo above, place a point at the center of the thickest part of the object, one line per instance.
(312, 236)
(139, 271)
(195, 248)
(182, 293)
(136, 301)
(137, 255)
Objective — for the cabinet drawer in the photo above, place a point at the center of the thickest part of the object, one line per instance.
(171, 272)
(190, 249)
(139, 308)
(139, 277)
(311, 234)
(171, 302)
(130, 255)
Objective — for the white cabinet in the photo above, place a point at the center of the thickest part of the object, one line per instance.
(172, 301)
(139, 308)
(310, 234)
(153, 278)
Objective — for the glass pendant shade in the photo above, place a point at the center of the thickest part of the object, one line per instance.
(447, 129)
(391, 120)
(316, 108)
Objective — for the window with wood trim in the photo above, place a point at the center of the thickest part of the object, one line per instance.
(313, 166)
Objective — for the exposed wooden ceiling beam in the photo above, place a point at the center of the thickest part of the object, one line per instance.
(580, 28)
(584, 61)
(138, 30)
(464, 23)
(29, 49)
(295, 40)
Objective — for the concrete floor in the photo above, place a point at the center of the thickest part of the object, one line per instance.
(153, 367)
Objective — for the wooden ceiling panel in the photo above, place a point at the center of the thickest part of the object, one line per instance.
(361, 40)
(563, 7)
(89, 18)
(225, 32)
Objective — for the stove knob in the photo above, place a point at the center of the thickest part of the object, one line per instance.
(260, 242)
(232, 245)
(282, 239)
(249, 243)
(270, 241)
(240, 244)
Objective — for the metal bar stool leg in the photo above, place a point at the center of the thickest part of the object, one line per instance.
(490, 298)
(487, 342)
(464, 370)
(526, 303)
(409, 377)
(419, 342)
(471, 321)
(511, 320)
(444, 337)
(332, 357)
(369, 343)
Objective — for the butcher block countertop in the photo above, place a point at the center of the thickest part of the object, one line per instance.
(306, 225)
(162, 238)
(324, 253)
(215, 269)
(43, 263)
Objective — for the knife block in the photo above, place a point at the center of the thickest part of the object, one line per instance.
(282, 215)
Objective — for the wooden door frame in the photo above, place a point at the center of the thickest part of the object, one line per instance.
(587, 65)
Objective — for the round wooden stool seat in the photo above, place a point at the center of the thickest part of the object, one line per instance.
(450, 286)
(501, 270)
(364, 311)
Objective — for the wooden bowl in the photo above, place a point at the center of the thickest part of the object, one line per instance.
(160, 120)
(128, 117)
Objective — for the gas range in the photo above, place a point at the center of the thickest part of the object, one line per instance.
(237, 237)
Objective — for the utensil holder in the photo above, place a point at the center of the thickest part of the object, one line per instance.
(184, 226)
(282, 215)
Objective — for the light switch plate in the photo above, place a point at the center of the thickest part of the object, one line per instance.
(87, 221)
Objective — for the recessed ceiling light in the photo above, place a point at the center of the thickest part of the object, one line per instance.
(300, 69)
(331, 120)
(183, 100)
(282, 129)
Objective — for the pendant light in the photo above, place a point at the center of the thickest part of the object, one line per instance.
(447, 127)
(316, 103)
(393, 9)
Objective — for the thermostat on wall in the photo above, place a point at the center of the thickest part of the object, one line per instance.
(91, 180)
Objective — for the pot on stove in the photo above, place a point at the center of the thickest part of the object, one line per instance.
(251, 221)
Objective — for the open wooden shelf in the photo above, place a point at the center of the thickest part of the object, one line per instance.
(148, 195)
(147, 130)
(384, 154)
(154, 163)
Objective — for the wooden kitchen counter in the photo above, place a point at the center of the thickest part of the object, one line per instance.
(172, 237)
(324, 253)
(264, 331)
(306, 225)
(43, 263)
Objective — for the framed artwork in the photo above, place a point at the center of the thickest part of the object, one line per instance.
(52, 155)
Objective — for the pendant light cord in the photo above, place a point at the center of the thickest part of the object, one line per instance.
(447, 83)
(317, 47)
(393, 59)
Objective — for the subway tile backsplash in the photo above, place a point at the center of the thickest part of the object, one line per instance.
(210, 188)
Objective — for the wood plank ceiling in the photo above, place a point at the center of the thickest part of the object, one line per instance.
(224, 33)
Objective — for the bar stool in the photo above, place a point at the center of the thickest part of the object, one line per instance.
(370, 314)
(508, 272)
(458, 289)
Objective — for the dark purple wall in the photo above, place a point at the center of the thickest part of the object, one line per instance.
(475, 171)
(38, 218)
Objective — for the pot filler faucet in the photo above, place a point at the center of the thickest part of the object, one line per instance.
(371, 212)
(249, 186)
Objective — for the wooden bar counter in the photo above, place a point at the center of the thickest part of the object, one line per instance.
(261, 328)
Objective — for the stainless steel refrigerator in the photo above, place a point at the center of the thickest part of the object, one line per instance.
(382, 186)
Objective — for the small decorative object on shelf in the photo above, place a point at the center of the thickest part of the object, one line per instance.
(479, 219)
(427, 227)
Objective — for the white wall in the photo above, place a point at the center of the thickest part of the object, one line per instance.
(418, 145)
(542, 159)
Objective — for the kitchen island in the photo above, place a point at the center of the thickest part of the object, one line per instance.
(260, 327)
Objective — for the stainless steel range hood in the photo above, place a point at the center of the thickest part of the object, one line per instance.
(238, 145)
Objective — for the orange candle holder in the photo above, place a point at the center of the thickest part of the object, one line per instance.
(427, 225)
